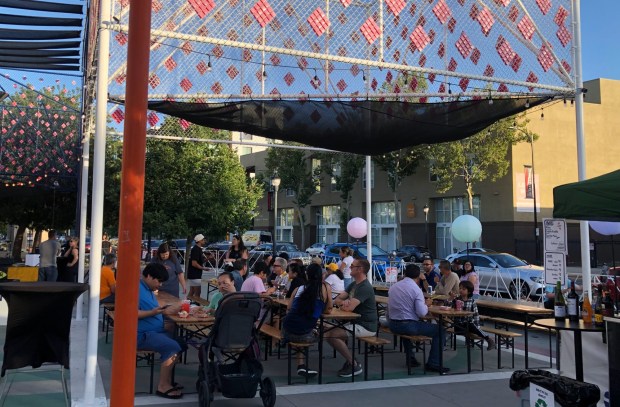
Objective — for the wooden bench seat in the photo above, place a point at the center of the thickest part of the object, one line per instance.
(503, 337)
(416, 340)
(273, 333)
(377, 347)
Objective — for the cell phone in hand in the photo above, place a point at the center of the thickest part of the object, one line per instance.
(165, 306)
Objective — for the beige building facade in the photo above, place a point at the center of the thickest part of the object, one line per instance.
(504, 207)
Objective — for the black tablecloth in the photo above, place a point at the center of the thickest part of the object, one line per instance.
(39, 322)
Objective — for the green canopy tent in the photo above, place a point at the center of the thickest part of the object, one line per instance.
(593, 199)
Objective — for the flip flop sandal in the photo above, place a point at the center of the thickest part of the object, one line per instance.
(167, 395)
(177, 386)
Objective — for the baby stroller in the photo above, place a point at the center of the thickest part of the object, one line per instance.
(230, 358)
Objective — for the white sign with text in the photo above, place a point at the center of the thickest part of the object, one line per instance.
(541, 397)
(555, 267)
(554, 231)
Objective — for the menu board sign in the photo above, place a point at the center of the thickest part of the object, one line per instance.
(555, 267)
(555, 235)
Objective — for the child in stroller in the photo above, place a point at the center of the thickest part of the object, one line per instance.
(236, 371)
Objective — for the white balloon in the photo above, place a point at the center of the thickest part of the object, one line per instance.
(606, 228)
(466, 228)
(357, 228)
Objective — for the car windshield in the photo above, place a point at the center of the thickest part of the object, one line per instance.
(507, 260)
(376, 251)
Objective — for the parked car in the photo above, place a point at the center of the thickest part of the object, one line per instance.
(413, 253)
(452, 256)
(289, 248)
(380, 257)
(317, 249)
(504, 272)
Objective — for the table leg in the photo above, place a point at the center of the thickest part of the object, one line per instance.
(353, 352)
(468, 342)
(578, 357)
(525, 332)
(443, 340)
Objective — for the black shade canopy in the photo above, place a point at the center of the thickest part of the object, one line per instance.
(363, 127)
(41, 25)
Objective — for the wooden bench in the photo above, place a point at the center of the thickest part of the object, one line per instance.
(376, 344)
(105, 321)
(416, 340)
(506, 322)
(273, 333)
(147, 356)
(503, 337)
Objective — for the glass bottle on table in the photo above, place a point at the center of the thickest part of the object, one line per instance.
(598, 310)
(559, 307)
(608, 305)
(586, 310)
(572, 304)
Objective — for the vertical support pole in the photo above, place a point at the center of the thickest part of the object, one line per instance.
(131, 205)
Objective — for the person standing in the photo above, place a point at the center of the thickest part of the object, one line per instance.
(72, 256)
(406, 306)
(48, 270)
(236, 251)
(346, 259)
(196, 266)
(169, 260)
(359, 298)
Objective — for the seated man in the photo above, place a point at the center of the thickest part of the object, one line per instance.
(359, 298)
(449, 281)
(406, 305)
(151, 332)
(239, 272)
(225, 285)
(107, 287)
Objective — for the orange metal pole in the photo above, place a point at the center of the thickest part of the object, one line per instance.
(131, 206)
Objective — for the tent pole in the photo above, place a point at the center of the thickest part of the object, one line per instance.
(581, 150)
(369, 217)
(131, 206)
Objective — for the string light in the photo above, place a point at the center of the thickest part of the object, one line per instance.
(209, 67)
(542, 114)
(527, 103)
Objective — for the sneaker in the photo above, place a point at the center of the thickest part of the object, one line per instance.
(346, 370)
(305, 372)
(491, 343)
(440, 370)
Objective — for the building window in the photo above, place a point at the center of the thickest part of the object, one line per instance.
(290, 192)
(336, 171)
(372, 176)
(316, 174)
(284, 231)
(328, 224)
(245, 150)
(383, 215)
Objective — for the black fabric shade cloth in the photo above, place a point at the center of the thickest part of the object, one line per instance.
(368, 127)
(593, 199)
(39, 322)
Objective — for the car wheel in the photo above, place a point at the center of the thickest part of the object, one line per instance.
(523, 291)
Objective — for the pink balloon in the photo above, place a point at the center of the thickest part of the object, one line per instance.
(357, 228)
(606, 228)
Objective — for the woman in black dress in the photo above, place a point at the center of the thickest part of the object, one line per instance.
(236, 251)
(71, 271)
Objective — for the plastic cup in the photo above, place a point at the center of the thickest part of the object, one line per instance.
(185, 306)
(459, 305)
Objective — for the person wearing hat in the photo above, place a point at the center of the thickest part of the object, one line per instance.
(196, 266)
(334, 278)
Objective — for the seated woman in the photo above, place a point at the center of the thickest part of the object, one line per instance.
(335, 279)
(296, 278)
(461, 324)
(309, 302)
(107, 287)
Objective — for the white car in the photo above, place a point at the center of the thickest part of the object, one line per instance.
(471, 250)
(504, 272)
(317, 249)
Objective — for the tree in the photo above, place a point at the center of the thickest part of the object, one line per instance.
(345, 170)
(478, 157)
(296, 174)
(398, 165)
(40, 158)
(190, 186)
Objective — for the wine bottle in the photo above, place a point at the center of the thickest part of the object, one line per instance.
(572, 303)
(559, 308)
(608, 305)
(586, 310)
(598, 310)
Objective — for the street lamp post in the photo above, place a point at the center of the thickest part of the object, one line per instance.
(531, 139)
(275, 182)
(426, 209)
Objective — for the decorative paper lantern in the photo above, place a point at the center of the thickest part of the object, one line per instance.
(466, 228)
(357, 228)
(606, 228)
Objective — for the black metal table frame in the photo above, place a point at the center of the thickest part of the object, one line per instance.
(335, 323)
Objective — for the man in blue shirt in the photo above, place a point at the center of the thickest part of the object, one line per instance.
(430, 276)
(406, 305)
(151, 332)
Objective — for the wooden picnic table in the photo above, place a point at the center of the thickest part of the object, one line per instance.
(516, 311)
(444, 311)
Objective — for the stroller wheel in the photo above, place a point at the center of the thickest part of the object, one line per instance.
(268, 392)
(204, 395)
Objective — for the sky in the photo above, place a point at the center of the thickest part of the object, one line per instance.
(600, 38)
